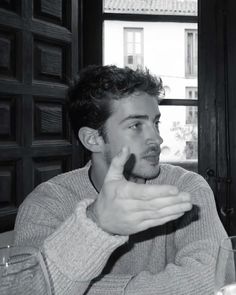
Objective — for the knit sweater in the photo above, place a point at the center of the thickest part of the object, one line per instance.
(176, 258)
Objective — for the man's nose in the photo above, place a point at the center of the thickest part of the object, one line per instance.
(153, 136)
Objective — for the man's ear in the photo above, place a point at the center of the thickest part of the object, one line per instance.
(91, 139)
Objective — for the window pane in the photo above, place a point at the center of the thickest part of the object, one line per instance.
(191, 53)
(137, 37)
(130, 59)
(167, 7)
(191, 93)
(130, 37)
(162, 47)
(129, 48)
(138, 48)
(180, 135)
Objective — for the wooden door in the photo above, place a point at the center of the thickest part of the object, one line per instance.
(217, 104)
(38, 57)
(230, 49)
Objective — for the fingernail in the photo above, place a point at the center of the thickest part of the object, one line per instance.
(123, 150)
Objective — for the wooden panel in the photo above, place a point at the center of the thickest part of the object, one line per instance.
(13, 5)
(46, 168)
(8, 184)
(8, 193)
(38, 53)
(92, 39)
(7, 219)
(231, 72)
(207, 53)
(212, 140)
(50, 119)
(54, 11)
(10, 120)
(7, 119)
(217, 103)
(7, 54)
(50, 61)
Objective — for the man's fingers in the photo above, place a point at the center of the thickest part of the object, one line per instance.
(163, 212)
(151, 191)
(115, 171)
(182, 197)
(170, 210)
(156, 222)
(159, 203)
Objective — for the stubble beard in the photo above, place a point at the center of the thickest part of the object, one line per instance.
(147, 173)
(136, 172)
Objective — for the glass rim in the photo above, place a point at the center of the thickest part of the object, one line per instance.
(19, 250)
(12, 255)
(8, 246)
(230, 238)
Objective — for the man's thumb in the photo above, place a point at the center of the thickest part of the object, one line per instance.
(115, 171)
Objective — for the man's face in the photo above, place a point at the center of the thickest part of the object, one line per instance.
(134, 123)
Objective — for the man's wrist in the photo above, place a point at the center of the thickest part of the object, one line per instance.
(91, 214)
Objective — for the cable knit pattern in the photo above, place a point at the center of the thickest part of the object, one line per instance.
(176, 258)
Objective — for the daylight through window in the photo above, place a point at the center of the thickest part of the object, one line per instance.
(163, 37)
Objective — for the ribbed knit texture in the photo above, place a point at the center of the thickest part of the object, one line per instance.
(176, 258)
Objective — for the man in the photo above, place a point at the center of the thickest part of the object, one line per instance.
(123, 224)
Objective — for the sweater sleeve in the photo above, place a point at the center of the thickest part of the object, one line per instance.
(191, 269)
(75, 250)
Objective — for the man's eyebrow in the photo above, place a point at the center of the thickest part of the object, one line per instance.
(139, 117)
(133, 117)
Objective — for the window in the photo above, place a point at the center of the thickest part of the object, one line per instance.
(191, 111)
(191, 53)
(133, 47)
(191, 93)
(191, 150)
(162, 37)
(191, 115)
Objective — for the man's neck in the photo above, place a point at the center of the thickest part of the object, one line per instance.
(98, 172)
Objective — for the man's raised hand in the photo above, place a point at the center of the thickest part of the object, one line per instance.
(125, 208)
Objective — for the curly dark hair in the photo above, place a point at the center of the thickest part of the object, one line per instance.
(90, 95)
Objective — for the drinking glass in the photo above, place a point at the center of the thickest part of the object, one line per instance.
(225, 280)
(23, 272)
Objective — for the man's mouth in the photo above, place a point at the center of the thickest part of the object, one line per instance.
(152, 156)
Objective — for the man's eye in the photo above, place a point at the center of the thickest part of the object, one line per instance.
(135, 126)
